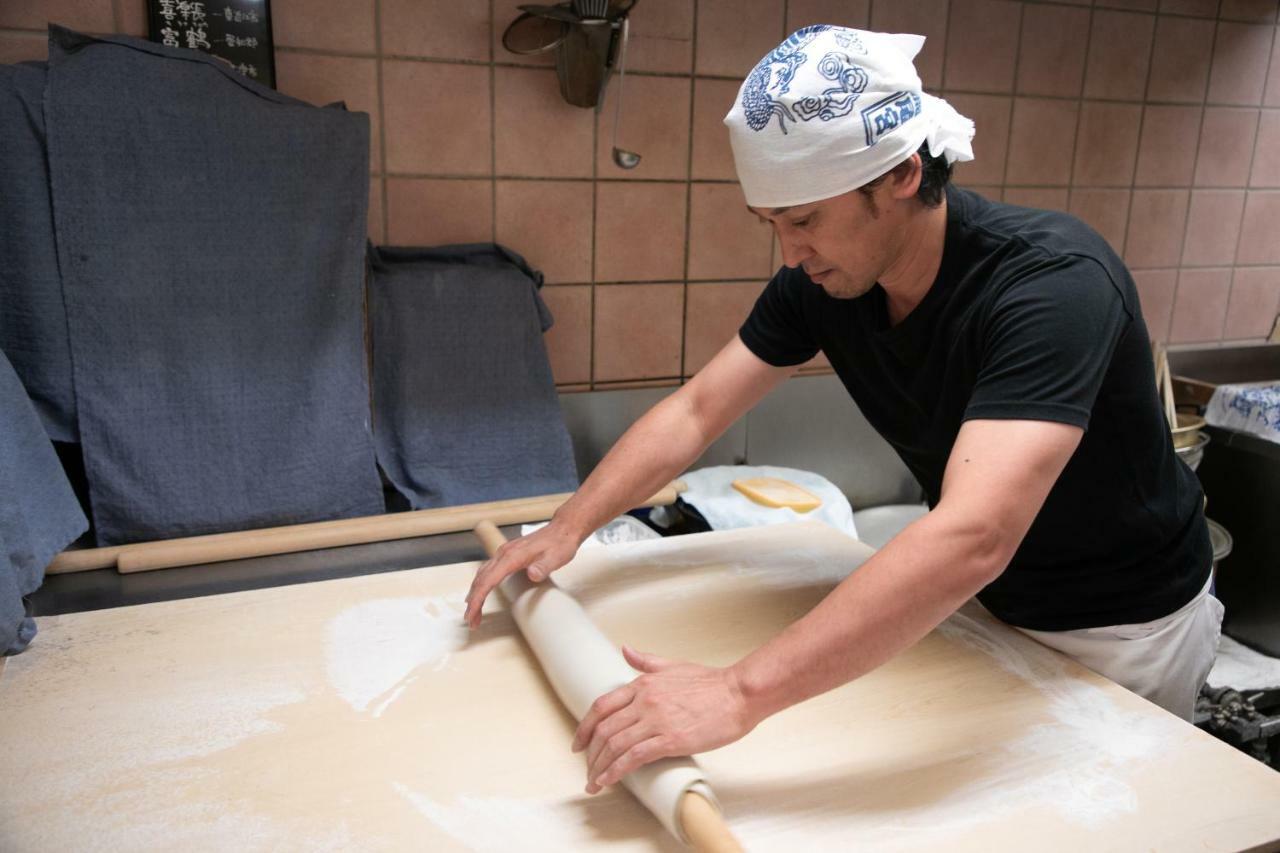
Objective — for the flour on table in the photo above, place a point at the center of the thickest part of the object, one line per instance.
(373, 649)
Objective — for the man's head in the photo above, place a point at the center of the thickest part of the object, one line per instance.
(836, 145)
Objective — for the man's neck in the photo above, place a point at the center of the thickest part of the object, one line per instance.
(907, 281)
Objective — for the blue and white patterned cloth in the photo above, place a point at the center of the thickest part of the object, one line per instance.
(831, 109)
(1253, 408)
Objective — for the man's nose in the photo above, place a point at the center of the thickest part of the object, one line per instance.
(795, 251)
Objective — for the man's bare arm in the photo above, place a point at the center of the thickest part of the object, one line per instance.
(997, 478)
(657, 447)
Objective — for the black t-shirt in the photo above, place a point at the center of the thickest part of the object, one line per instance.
(1032, 316)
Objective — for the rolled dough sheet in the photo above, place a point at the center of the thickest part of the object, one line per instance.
(582, 664)
(359, 714)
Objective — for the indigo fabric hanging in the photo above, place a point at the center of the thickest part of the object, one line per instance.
(210, 236)
(39, 514)
(465, 407)
(33, 322)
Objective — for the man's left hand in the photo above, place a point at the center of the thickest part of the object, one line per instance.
(672, 709)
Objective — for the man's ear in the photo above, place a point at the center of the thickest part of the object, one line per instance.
(905, 177)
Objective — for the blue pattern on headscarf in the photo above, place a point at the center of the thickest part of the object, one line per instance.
(758, 101)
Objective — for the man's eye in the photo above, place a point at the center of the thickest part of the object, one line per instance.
(801, 223)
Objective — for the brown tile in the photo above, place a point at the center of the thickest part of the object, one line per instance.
(1200, 305)
(416, 95)
(1255, 298)
(715, 312)
(637, 331)
(1106, 211)
(640, 231)
(549, 222)
(1138, 5)
(21, 47)
(1167, 153)
(1043, 198)
(733, 35)
(712, 154)
(91, 16)
(425, 212)
(927, 18)
(1258, 243)
(990, 114)
(1180, 61)
(1271, 97)
(1157, 219)
(1200, 8)
(569, 338)
(1213, 227)
(375, 230)
(339, 25)
(442, 29)
(725, 239)
(1107, 145)
(321, 80)
(537, 133)
(1054, 63)
(654, 124)
(1266, 157)
(1155, 292)
(841, 13)
(133, 17)
(504, 13)
(1253, 11)
(1226, 146)
(661, 36)
(1042, 142)
(982, 45)
(1119, 51)
(1240, 57)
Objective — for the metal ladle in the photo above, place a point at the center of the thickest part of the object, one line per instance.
(621, 157)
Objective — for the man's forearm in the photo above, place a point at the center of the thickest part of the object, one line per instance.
(657, 447)
(894, 599)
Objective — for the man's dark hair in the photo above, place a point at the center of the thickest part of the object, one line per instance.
(935, 174)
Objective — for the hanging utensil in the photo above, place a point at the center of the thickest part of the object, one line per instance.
(532, 34)
(621, 157)
(561, 12)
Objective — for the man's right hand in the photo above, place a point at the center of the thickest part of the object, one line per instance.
(540, 553)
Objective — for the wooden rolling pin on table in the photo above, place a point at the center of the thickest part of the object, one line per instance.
(237, 545)
(581, 663)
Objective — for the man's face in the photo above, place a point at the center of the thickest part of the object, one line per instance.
(844, 243)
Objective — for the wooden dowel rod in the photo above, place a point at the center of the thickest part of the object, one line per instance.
(215, 547)
(704, 826)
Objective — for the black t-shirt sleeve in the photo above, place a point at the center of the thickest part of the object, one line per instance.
(1049, 341)
(776, 330)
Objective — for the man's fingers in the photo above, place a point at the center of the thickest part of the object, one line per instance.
(612, 749)
(637, 755)
(607, 704)
(488, 576)
(606, 729)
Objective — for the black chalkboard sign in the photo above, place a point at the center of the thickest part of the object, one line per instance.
(235, 31)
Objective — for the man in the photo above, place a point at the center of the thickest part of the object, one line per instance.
(1000, 350)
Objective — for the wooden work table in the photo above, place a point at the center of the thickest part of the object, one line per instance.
(359, 714)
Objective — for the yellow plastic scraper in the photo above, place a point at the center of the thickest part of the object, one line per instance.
(778, 493)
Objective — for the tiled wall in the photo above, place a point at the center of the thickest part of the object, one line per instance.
(1157, 121)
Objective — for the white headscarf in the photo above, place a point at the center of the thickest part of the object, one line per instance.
(831, 109)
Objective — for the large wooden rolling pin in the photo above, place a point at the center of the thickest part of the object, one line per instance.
(582, 664)
(215, 547)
